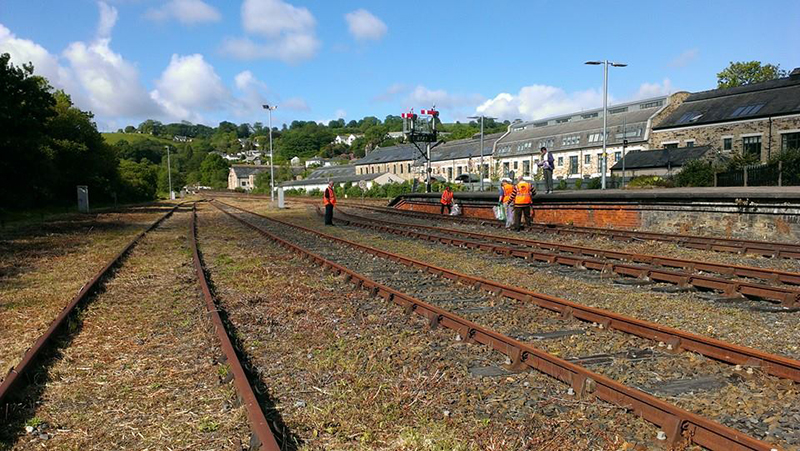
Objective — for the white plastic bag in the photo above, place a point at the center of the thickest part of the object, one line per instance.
(500, 212)
(456, 211)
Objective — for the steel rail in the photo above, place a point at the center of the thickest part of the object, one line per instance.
(786, 296)
(767, 274)
(33, 353)
(258, 422)
(730, 245)
(678, 424)
(674, 339)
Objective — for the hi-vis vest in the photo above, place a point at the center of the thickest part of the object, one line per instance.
(447, 198)
(329, 197)
(507, 190)
(523, 196)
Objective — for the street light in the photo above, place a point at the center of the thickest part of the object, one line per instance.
(270, 109)
(605, 64)
(480, 171)
(169, 176)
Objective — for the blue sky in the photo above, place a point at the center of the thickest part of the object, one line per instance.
(207, 60)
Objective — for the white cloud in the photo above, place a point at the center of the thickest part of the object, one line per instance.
(647, 90)
(363, 25)
(24, 51)
(294, 104)
(684, 59)
(289, 32)
(187, 12)
(539, 101)
(108, 18)
(422, 97)
(188, 86)
(391, 92)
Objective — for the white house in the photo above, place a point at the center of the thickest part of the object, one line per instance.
(340, 176)
(295, 161)
(346, 139)
(244, 175)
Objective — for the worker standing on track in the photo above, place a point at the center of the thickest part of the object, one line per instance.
(506, 188)
(522, 198)
(329, 200)
(447, 200)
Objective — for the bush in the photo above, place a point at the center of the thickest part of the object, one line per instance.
(315, 192)
(649, 181)
(595, 183)
(790, 160)
(562, 185)
(239, 189)
(695, 173)
(578, 183)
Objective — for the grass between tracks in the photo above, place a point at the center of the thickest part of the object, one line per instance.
(346, 371)
(139, 372)
(43, 265)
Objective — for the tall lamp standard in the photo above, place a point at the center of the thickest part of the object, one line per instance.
(169, 176)
(480, 172)
(270, 109)
(605, 64)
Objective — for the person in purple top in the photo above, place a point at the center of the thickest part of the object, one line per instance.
(547, 164)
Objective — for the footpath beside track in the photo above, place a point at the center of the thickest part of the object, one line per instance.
(678, 424)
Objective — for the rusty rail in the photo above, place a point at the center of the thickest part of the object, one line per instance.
(677, 423)
(674, 339)
(258, 422)
(32, 354)
(766, 274)
(763, 248)
(789, 297)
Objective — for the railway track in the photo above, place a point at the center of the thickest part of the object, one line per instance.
(261, 437)
(684, 273)
(762, 248)
(426, 290)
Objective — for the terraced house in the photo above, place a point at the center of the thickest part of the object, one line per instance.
(758, 119)
(397, 160)
(576, 140)
(455, 158)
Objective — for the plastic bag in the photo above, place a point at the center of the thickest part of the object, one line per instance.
(500, 212)
(456, 211)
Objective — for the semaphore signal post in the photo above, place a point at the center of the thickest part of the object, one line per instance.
(422, 130)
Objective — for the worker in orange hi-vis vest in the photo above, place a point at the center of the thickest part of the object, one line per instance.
(329, 200)
(506, 188)
(522, 198)
(447, 200)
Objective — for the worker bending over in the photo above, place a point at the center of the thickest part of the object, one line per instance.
(522, 198)
(506, 188)
(447, 200)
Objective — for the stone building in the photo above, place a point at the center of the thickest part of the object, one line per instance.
(244, 175)
(462, 156)
(398, 160)
(760, 119)
(576, 140)
(340, 176)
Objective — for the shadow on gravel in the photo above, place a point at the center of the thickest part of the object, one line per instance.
(286, 438)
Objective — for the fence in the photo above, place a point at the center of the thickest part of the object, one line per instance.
(770, 174)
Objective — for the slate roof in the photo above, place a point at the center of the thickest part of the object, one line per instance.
(758, 100)
(400, 152)
(246, 170)
(333, 171)
(337, 174)
(661, 158)
(465, 148)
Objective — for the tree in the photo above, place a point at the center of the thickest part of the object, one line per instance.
(130, 129)
(744, 73)
(137, 180)
(214, 171)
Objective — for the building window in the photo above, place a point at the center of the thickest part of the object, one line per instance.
(599, 162)
(409, 168)
(505, 169)
(571, 140)
(244, 182)
(561, 121)
(449, 173)
(790, 141)
(644, 106)
(690, 143)
(618, 110)
(526, 168)
(573, 164)
(587, 159)
(751, 145)
(617, 156)
(589, 116)
(596, 137)
(540, 124)
(560, 161)
(516, 165)
(747, 110)
(458, 170)
(670, 145)
(727, 143)
(401, 169)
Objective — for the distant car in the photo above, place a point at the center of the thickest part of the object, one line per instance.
(467, 178)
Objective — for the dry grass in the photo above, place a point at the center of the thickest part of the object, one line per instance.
(140, 372)
(350, 372)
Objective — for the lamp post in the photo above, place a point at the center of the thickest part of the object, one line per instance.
(480, 171)
(270, 109)
(605, 64)
(169, 176)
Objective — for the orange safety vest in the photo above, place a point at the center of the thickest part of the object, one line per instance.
(523, 196)
(507, 190)
(447, 197)
(329, 198)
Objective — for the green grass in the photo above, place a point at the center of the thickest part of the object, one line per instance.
(113, 138)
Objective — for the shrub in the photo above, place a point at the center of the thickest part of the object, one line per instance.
(239, 189)
(649, 181)
(595, 183)
(790, 160)
(578, 183)
(695, 173)
(562, 185)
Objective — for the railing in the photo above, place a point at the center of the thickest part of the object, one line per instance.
(769, 174)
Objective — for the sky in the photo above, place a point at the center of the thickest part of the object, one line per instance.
(205, 61)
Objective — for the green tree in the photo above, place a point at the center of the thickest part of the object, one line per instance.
(214, 171)
(747, 72)
(137, 180)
